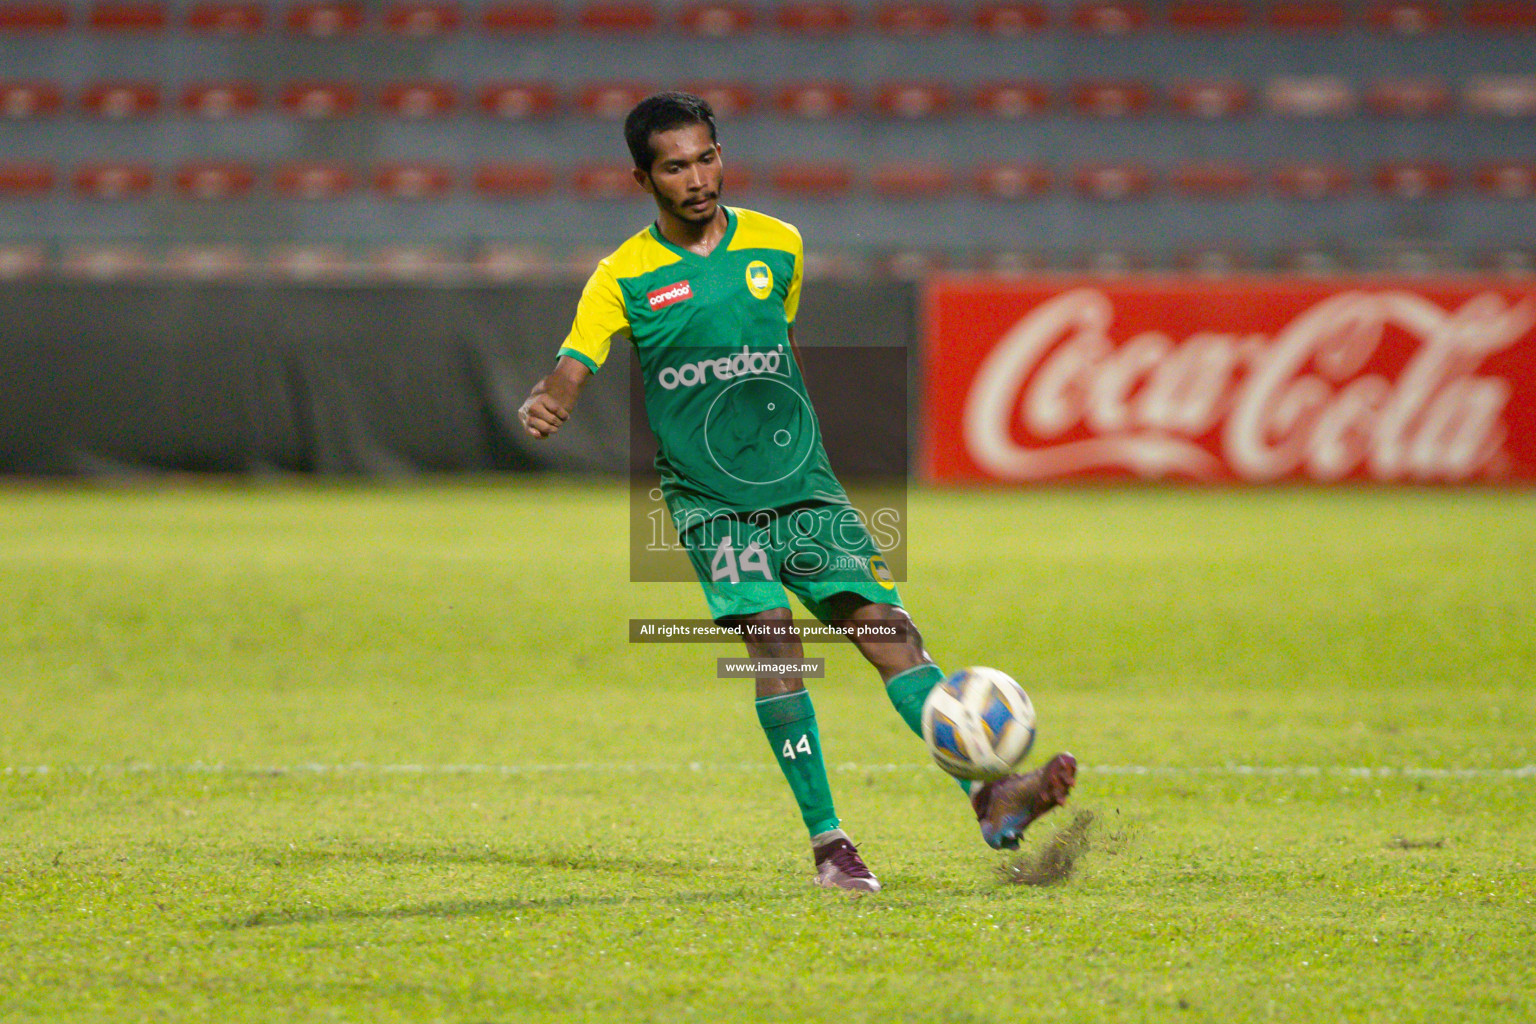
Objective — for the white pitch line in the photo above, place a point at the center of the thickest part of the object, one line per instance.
(630, 768)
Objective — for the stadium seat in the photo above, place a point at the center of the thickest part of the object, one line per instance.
(621, 16)
(422, 18)
(120, 100)
(604, 181)
(716, 20)
(1211, 261)
(105, 261)
(1012, 99)
(21, 261)
(220, 99)
(1110, 98)
(912, 17)
(912, 101)
(1011, 18)
(519, 18)
(511, 261)
(127, 16)
(1309, 96)
(324, 18)
(312, 180)
(814, 100)
(1211, 180)
(1012, 262)
(727, 99)
(1110, 17)
(911, 180)
(1112, 181)
(1308, 15)
(814, 181)
(21, 100)
(1407, 97)
(113, 180)
(1208, 15)
(1210, 98)
(318, 100)
(1500, 95)
(815, 17)
(412, 180)
(214, 181)
(1112, 262)
(26, 180)
(1500, 15)
(911, 264)
(1012, 181)
(611, 101)
(222, 262)
(1313, 261)
(33, 17)
(517, 101)
(1509, 261)
(1406, 17)
(406, 263)
(513, 181)
(309, 262)
(1413, 179)
(1506, 179)
(418, 100)
(226, 18)
(1312, 180)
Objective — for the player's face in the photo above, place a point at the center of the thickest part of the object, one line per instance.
(686, 175)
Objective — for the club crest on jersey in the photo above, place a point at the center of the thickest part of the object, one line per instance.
(661, 297)
(759, 279)
(882, 572)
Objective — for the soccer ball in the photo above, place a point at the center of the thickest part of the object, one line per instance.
(978, 724)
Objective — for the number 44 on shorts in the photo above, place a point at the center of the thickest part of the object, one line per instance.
(791, 746)
(725, 565)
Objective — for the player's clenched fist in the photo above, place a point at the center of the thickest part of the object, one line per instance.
(542, 415)
(550, 402)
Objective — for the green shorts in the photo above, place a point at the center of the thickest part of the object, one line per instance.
(746, 563)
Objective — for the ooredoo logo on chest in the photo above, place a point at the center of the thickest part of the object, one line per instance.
(679, 292)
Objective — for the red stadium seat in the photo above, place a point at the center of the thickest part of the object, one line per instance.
(19, 262)
(1210, 98)
(1406, 17)
(1013, 181)
(519, 18)
(1408, 97)
(1110, 17)
(105, 261)
(412, 180)
(912, 101)
(1012, 99)
(627, 16)
(911, 180)
(1506, 179)
(423, 18)
(1010, 18)
(312, 180)
(513, 181)
(1111, 98)
(127, 16)
(1208, 15)
(1312, 181)
(1500, 15)
(227, 18)
(21, 100)
(1413, 179)
(1500, 95)
(33, 17)
(1112, 181)
(517, 101)
(220, 99)
(113, 181)
(1211, 180)
(120, 100)
(25, 181)
(913, 17)
(207, 262)
(318, 100)
(605, 181)
(324, 18)
(813, 181)
(815, 17)
(727, 99)
(1308, 15)
(418, 100)
(1310, 96)
(814, 100)
(611, 101)
(716, 20)
(214, 181)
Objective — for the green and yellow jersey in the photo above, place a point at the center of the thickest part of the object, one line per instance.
(723, 392)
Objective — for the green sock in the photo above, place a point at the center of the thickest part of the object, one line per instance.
(907, 692)
(790, 722)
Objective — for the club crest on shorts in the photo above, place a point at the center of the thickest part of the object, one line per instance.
(882, 572)
(759, 279)
(678, 292)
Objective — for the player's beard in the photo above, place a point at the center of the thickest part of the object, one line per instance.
(711, 208)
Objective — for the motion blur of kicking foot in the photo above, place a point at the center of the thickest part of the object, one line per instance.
(1007, 807)
(839, 866)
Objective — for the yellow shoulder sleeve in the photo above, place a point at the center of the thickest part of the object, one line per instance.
(599, 316)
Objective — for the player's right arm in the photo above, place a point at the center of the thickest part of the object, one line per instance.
(599, 316)
(550, 402)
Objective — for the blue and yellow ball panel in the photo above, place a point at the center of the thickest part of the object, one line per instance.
(946, 738)
(996, 717)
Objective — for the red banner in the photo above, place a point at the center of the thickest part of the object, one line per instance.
(1243, 380)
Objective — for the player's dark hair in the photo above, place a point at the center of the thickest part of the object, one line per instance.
(662, 113)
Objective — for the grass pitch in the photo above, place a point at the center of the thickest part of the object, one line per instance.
(337, 753)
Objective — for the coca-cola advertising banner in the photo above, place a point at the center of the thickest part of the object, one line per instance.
(1231, 381)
